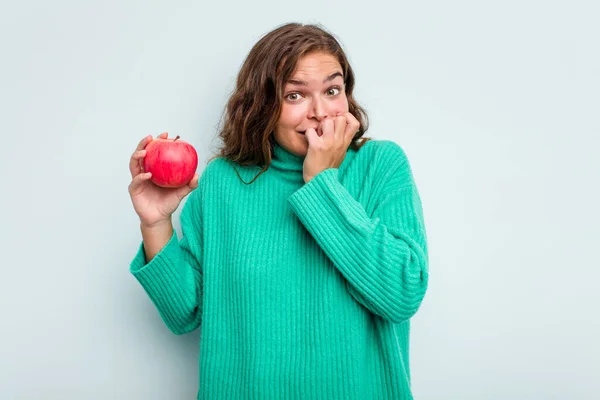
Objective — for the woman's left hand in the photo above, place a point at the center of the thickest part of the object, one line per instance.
(328, 150)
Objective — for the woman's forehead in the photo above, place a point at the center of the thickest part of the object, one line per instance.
(315, 77)
(315, 62)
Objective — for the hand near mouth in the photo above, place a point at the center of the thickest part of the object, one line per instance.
(328, 144)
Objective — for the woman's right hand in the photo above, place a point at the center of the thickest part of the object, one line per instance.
(152, 203)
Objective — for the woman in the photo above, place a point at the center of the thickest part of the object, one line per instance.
(304, 250)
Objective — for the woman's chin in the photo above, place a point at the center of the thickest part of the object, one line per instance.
(297, 146)
(300, 152)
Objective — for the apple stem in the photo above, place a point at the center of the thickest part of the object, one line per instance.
(176, 138)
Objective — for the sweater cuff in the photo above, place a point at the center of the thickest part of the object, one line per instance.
(323, 191)
(160, 273)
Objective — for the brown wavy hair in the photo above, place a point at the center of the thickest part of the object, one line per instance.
(254, 107)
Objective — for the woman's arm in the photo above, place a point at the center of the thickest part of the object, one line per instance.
(383, 256)
(171, 274)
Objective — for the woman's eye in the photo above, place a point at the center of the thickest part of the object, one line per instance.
(333, 89)
(296, 96)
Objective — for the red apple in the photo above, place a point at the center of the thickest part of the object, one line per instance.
(172, 162)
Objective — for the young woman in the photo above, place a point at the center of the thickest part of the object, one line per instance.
(304, 251)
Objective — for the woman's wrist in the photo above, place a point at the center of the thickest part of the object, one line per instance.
(155, 237)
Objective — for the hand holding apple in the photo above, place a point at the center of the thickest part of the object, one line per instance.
(172, 164)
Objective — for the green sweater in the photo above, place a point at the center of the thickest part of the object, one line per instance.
(301, 291)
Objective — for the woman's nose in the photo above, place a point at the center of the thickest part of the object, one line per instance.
(317, 110)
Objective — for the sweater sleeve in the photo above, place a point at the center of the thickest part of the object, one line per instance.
(383, 256)
(173, 278)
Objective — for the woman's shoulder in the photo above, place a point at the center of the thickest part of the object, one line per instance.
(382, 152)
(206, 183)
(216, 166)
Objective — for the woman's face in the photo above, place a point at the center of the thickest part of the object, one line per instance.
(314, 92)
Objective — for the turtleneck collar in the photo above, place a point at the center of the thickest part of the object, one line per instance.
(285, 160)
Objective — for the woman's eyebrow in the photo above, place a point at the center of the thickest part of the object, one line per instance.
(328, 79)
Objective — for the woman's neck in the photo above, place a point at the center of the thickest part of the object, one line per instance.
(285, 160)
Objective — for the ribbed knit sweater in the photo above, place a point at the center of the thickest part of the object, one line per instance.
(301, 290)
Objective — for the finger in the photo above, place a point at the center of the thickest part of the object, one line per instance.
(327, 127)
(141, 165)
(340, 124)
(352, 127)
(353, 121)
(135, 163)
(163, 135)
(138, 181)
(194, 182)
(319, 129)
(144, 142)
(312, 136)
(186, 189)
